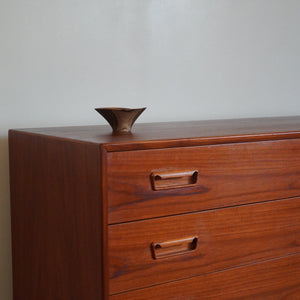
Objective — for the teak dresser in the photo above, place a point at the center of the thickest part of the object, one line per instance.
(183, 210)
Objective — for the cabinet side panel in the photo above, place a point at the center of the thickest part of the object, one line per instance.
(56, 218)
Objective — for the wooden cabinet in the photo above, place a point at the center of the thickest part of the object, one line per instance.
(186, 210)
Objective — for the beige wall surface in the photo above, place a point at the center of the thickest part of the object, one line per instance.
(183, 59)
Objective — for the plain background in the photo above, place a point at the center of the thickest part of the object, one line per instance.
(183, 59)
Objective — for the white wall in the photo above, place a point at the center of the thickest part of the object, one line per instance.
(183, 59)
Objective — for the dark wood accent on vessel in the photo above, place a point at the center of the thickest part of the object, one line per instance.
(120, 119)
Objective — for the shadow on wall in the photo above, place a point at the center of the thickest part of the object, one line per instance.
(5, 237)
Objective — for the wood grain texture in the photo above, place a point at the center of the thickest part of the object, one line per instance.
(104, 237)
(228, 175)
(56, 219)
(68, 183)
(226, 238)
(181, 134)
(271, 280)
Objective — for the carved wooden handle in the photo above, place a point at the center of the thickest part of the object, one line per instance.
(173, 179)
(172, 248)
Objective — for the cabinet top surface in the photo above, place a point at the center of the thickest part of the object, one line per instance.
(175, 134)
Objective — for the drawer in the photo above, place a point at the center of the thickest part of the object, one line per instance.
(152, 183)
(151, 252)
(274, 280)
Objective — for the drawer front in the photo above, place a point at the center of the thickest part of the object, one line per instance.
(271, 280)
(152, 183)
(150, 252)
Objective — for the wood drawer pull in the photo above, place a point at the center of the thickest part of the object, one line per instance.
(171, 180)
(172, 248)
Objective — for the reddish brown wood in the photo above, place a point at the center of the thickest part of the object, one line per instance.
(228, 175)
(68, 183)
(226, 238)
(271, 280)
(177, 247)
(170, 179)
(56, 219)
(182, 134)
(104, 236)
